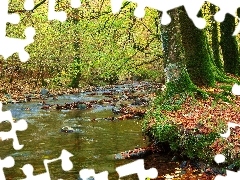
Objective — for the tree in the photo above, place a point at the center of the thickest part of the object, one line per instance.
(177, 77)
(199, 59)
(215, 37)
(229, 46)
(76, 46)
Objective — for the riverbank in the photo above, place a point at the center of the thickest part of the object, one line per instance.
(192, 127)
(140, 94)
(23, 91)
(172, 170)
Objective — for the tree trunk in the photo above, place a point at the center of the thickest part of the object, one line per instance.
(76, 46)
(177, 77)
(215, 42)
(229, 46)
(198, 55)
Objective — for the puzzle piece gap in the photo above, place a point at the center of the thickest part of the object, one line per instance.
(20, 125)
(7, 162)
(192, 9)
(165, 19)
(137, 167)
(66, 166)
(29, 5)
(75, 3)
(86, 173)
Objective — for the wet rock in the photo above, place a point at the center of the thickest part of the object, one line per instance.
(137, 153)
(124, 97)
(28, 98)
(82, 106)
(116, 110)
(44, 92)
(184, 165)
(8, 96)
(137, 102)
(118, 156)
(67, 129)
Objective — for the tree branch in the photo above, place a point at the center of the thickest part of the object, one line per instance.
(23, 10)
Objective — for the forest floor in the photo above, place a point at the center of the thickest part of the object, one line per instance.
(205, 115)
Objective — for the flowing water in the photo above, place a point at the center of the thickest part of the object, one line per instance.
(93, 143)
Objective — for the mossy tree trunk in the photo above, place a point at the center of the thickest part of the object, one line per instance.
(177, 78)
(199, 58)
(215, 39)
(229, 46)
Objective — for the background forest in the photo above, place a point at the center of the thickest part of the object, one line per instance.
(93, 46)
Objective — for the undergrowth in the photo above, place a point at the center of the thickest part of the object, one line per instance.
(190, 122)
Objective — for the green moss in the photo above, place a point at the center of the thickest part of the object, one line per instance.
(229, 46)
(197, 52)
(187, 143)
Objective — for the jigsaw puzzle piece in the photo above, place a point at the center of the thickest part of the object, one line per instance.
(28, 171)
(231, 8)
(20, 125)
(60, 15)
(192, 10)
(7, 162)
(52, 14)
(137, 167)
(86, 173)
(163, 6)
(5, 17)
(66, 166)
(9, 46)
(160, 5)
(65, 158)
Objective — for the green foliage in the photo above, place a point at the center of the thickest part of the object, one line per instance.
(187, 143)
(177, 92)
(109, 45)
(166, 133)
(143, 74)
(162, 130)
(226, 95)
(180, 85)
(198, 145)
(198, 54)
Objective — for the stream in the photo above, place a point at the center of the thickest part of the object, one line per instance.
(93, 143)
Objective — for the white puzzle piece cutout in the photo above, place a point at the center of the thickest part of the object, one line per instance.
(66, 166)
(9, 46)
(7, 162)
(137, 167)
(20, 125)
(192, 9)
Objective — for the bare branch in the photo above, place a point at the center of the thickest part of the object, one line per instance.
(23, 10)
